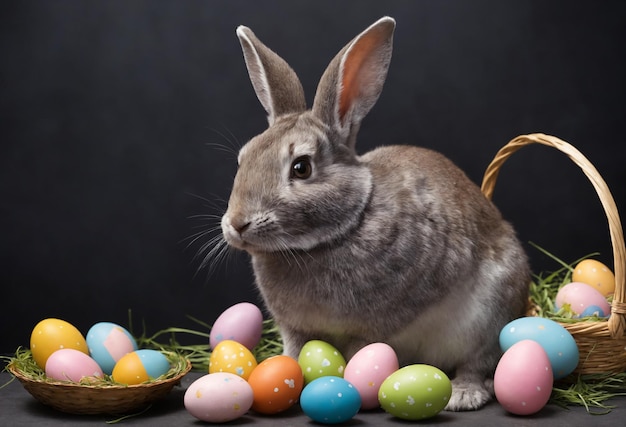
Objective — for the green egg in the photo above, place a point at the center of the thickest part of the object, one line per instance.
(320, 359)
(415, 392)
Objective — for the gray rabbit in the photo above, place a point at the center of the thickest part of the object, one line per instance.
(395, 246)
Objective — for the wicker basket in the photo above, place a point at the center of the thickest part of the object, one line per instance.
(76, 398)
(601, 344)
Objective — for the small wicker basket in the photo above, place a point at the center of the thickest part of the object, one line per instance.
(601, 343)
(77, 398)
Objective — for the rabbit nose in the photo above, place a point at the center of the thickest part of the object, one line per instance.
(240, 225)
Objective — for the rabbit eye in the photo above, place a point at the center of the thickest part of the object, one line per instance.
(301, 168)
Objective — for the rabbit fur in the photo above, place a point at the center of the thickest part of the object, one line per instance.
(395, 246)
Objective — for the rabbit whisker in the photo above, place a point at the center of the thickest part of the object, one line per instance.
(214, 252)
(233, 143)
(215, 202)
(201, 234)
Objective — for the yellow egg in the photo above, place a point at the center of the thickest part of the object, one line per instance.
(51, 335)
(596, 274)
(230, 356)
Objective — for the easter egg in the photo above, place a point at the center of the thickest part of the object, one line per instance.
(415, 392)
(367, 370)
(276, 382)
(580, 296)
(51, 335)
(140, 366)
(218, 398)
(107, 343)
(241, 322)
(523, 379)
(320, 359)
(557, 342)
(330, 400)
(71, 365)
(230, 356)
(595, 274)
(592, 310)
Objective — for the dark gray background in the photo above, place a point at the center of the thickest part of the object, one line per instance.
(109, 109)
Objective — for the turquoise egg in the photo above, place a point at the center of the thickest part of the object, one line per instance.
(557, 342)
(330, 400)
(108, 343)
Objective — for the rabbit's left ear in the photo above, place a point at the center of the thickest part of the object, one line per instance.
(276, 84)
(354, 79)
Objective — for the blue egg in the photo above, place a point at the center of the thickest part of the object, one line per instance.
(593, 310)
(154, 362)
(330, 400)
(558, 343)
(108, 343)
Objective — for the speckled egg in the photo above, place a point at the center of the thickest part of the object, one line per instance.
(277, 383)
(108, 343)
(595, 274)
(51, 335)
(580, 297)
(218, 398)
(72, 365)
(367, 370)
(523, 379)
(320, 359)
(140, 366)
(231, 356)
(330, 400)
(415, 392)
(557, 342)
(241, 322)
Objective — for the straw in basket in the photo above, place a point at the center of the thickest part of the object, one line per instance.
(77, 398)
(601, 343)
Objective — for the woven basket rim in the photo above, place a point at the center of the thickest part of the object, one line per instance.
(616, 323)
(15, 371)
(86, 399)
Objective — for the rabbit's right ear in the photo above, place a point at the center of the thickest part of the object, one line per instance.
(276, 84)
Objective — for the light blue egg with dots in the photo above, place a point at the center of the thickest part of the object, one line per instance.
(330, 400)
(558, 343)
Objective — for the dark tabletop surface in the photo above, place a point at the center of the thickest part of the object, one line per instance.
(19, 408)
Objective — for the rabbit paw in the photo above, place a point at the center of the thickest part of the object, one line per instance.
(467, 395)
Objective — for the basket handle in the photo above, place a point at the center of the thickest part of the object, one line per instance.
(617, 320)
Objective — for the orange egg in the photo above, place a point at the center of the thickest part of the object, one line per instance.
(51, 335)
(230, 356)
(596, 274)
(276, 383)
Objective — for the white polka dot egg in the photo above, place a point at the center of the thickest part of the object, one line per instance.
(330, 400)
(276, 383)
(230, 356)
(319, 359)
(415, 392)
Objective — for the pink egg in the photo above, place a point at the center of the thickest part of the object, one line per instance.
(241, 322)
(367, 370)
(218, 398)
(523, 378)
(580, 296)
(71, 365)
